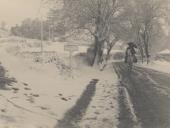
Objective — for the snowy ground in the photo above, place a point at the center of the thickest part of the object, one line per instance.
(161, 63)
(102, 112)
(44, 91)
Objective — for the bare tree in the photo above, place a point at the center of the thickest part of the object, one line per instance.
(108, 21)
(94, 16)
(143, 16)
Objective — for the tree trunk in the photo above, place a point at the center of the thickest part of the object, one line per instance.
(95, 52)
(147, 54)
(98, 52)
(145, 37)
(146, 42)
(147, 51)
(110, 47)
(108, 53)
(141, 52)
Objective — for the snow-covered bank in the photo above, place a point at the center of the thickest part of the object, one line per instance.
(40, 89)
(42, 95)
(103, 110)
(162, 66)
(166, 51)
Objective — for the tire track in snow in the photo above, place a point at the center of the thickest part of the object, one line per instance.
(151, 106)
(127, 115)
(162, 89)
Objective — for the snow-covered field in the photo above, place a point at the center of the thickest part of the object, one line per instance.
(161, 63)
(44, 90)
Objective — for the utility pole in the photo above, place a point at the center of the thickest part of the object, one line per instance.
(41, 25)
(42, 34)
(52, 32)
(49, 33)
(41, 29)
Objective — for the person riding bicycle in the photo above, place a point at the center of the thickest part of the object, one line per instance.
(131, 48)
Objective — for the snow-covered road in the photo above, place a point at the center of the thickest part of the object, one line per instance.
(149, 94)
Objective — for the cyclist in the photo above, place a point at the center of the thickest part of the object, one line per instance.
(131, 49)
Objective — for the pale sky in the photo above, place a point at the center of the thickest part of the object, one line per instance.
(14, 11)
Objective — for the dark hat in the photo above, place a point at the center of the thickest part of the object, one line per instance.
(132, 44)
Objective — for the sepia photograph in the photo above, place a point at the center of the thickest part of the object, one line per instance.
(84, 63)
